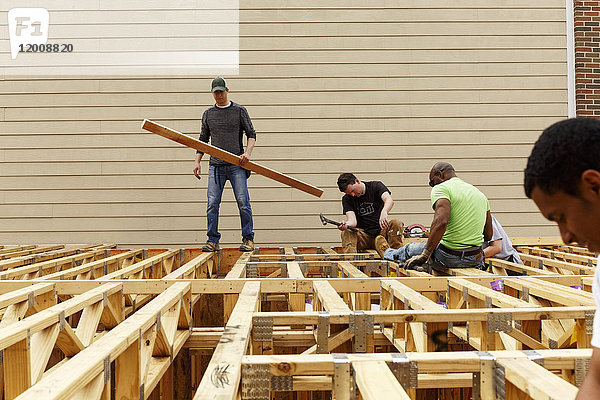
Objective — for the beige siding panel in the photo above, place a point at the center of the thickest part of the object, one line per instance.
(291, 112)
(383, 89)
(274, 139)
(333, 43)
(420, 77)
(305, 98)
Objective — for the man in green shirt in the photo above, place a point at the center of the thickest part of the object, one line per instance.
(461, 222)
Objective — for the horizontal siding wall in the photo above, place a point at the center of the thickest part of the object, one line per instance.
(378, 88)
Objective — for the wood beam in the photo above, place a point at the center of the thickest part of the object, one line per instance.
(222, 377)
(375, 380)
(186, 140)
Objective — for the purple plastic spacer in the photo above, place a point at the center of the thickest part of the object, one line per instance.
(497, 285)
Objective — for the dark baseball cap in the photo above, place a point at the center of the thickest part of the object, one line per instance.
(218, 84)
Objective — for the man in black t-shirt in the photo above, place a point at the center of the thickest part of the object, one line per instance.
(366, 205)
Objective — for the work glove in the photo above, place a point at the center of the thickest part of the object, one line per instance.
(417, 260)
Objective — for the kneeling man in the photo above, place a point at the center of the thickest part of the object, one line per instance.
(366, 205)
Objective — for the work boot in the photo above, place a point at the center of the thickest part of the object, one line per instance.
(210, 246)
(381, 245)
(247, 245)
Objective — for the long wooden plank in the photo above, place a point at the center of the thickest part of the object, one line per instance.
(535, 380)
(432, 362)
(223, 374)
(186, 140)
(376, 381)
(329, 298)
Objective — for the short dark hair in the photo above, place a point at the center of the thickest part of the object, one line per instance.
(344, 180)
(561, 154)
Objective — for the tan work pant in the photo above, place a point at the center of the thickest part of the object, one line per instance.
(353, 242)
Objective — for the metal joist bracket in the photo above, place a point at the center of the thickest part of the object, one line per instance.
(106, 370)
(553, 344)
(535, 356)
(328, 271)
(282, 383)
(525, 294)
(256, 380)
(142, 397)
(488, 302)
(476, 393)
(500, 322)
(262, 329)
(406, 371)
(323, 333)
(342, 376)
(251, 270)
(299, 257)
(181, 256)
(361, 325)
(487, 378)
(465, 294)
(541, 264)
(61, 320)
(589, 321)
(500, 382)
(30, 299)
(582, 365)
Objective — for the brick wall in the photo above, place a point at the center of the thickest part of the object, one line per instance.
(587, 57)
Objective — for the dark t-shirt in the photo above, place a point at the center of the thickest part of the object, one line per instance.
(367, 207)
(225, 126)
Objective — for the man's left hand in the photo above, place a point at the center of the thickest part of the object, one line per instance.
(244, 158)
(418, 260)
(383, 220)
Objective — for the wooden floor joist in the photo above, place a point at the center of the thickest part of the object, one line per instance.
(96, 322)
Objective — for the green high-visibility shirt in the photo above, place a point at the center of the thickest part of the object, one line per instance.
(468, 210)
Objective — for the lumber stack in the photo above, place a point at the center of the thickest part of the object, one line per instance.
(100, 322)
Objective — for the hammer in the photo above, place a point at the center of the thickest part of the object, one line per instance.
(326, 221)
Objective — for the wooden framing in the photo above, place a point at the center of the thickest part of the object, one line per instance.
(297, 323)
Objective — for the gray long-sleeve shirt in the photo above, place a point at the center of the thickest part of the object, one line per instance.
(225, 128)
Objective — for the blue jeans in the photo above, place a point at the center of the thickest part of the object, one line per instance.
(439, 259)
(217, 176)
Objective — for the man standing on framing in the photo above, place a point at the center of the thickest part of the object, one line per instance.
(366, 205)
(563, 179)
(225, 124)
